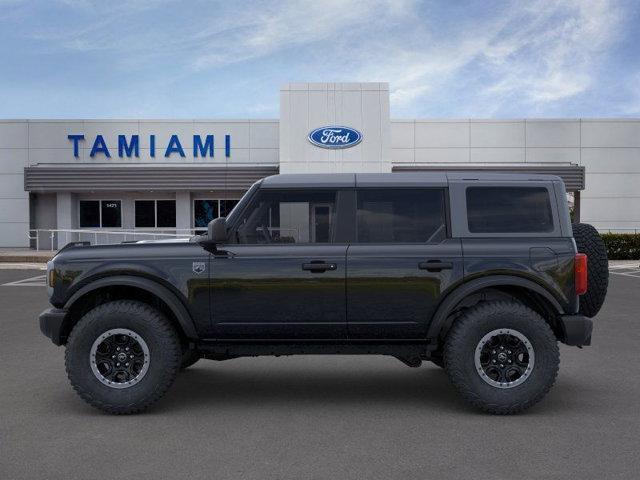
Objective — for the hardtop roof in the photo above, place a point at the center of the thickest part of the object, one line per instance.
(399, 179)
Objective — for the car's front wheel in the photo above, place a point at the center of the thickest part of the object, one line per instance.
(502, 357)
(122, 356)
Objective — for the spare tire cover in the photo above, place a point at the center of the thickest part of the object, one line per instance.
(588, 241)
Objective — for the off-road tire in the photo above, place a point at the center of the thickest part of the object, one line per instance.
(189, 357)
(464, 337)
(589, 241)
(164, 351)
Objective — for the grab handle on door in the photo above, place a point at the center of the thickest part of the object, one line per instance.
(435, 266)
(318, 266)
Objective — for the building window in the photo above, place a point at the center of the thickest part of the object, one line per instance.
(100, 214)
(226, 206)
(206, 210)
(401, 216)
(155, 213)
(509, 210)
(145, 213)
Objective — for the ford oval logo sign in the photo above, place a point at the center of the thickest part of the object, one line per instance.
(335, 137)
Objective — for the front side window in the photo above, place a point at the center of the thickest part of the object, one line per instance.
(289, 217)
(509, 210)
(401, 216)
(100, 213)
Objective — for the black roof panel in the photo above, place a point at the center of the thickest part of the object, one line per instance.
(397, 179)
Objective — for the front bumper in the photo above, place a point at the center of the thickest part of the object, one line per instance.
(51, 321)
(576, 330)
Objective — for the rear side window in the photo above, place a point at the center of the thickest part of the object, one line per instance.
(401, 216)
(509, 210)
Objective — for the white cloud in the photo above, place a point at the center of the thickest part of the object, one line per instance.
(553, 56)
(284, 25)
(535, 53)
(544, 52)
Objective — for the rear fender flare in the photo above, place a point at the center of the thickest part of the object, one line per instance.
(445, 308)
(169, 298)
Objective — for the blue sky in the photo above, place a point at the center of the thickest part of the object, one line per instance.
(205, 59)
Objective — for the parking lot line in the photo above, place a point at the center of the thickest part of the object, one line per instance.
(37, 281)
(625, 266)
(628, 274)
(626, 269)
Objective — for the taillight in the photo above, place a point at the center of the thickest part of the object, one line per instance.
(580, 270)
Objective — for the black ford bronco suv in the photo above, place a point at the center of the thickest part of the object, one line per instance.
(482, 274)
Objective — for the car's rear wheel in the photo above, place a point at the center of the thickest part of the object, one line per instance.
(122, 356)
(502, 357)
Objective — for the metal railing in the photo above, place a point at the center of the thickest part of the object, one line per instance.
(51, 239)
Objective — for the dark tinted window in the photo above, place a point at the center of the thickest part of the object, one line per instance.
(289, 217)
(204, 211)
(145, 213)
(401, 216)
(89, 213)
(509, 210)
(226, 206)
(166, 213)
(111, 213)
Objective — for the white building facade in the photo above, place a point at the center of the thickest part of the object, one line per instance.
(175, 175)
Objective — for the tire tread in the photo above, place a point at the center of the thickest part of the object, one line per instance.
(454, 368)
(165, 332)
(589, 241)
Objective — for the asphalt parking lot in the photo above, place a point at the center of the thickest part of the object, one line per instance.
(319, 417)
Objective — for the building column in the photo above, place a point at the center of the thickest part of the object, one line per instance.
(66, 218)
(183, 211)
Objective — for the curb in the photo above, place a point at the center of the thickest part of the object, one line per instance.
(25, 258)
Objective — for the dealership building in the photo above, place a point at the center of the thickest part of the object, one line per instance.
(65, 177)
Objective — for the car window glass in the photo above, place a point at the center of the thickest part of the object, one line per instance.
(400, 216)
(289, 217)
(509, 210)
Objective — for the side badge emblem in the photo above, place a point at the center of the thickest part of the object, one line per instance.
(199, 267)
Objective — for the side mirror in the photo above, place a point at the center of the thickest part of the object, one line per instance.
(217, 230)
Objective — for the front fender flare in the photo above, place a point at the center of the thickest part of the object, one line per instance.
(461, 292)
(163, 293)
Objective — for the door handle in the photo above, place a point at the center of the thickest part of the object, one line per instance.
(319, 267)
(435, 266)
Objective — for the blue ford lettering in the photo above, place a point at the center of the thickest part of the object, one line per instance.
(335, 137)
(130, 146)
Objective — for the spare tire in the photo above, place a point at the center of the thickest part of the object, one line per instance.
(588, 241)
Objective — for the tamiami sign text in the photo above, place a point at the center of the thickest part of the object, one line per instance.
(130, 146)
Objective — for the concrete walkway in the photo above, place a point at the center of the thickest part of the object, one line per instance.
(25, 255)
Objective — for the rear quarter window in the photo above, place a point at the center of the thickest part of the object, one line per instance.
(509, 210)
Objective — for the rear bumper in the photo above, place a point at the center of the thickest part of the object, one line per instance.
(51, 321)
(576, 330)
